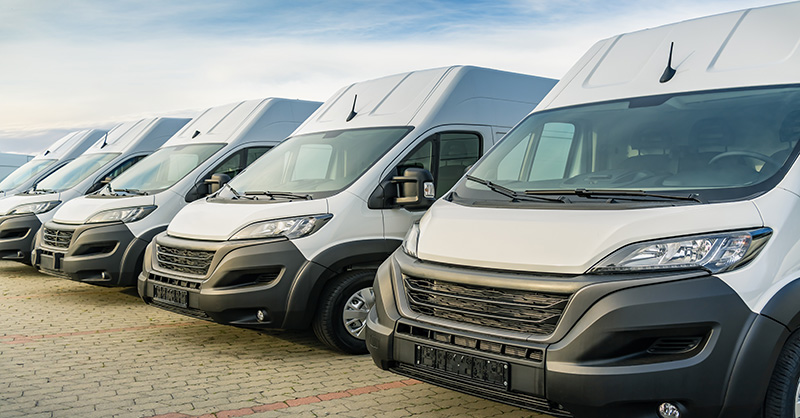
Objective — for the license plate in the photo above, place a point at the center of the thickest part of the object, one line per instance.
(477, 369)
(171, 296)
(50, 261)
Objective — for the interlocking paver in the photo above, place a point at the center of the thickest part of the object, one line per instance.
(71, 349)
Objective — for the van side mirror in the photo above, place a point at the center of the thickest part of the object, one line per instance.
(216, 182)
(416, 189)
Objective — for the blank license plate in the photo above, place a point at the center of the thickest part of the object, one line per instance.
(171, 296)
(50, 261)
(478, 369)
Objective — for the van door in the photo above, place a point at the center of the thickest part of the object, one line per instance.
(447, 155)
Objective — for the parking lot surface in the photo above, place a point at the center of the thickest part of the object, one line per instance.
(68, 349)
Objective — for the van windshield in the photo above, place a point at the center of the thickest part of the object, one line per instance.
(24, 173)
(318, 164)
(164, 168)
(702, 146)
(76, 171)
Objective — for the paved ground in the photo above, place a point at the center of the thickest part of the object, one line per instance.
(69, 349)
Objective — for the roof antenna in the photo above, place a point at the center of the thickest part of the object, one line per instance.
(105, 140)
(669, 72)
(194, 135)
(352, 111)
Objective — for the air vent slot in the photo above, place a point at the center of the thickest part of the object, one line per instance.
(674, 345)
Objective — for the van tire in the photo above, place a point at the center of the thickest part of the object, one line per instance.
(782, 391)
(328, 322)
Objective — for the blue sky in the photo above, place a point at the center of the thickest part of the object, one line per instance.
(91, 63)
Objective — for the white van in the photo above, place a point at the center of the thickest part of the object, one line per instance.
(295, 240)
(61, 152)
(100, 238)
(23, 214)
(630, 249)
(10, 162)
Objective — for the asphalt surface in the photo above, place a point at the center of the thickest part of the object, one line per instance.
(69, 349)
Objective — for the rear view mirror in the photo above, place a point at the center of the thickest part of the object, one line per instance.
(416, 189)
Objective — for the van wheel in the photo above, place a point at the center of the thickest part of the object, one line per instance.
(783, 393)
(341, 318)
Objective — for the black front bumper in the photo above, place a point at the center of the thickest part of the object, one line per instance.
(102, 254)
(239, 279)
(616, 350)
(16, 236)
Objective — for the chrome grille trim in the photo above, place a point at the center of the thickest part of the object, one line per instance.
(182, 260)
(509, 309)
(57, 238)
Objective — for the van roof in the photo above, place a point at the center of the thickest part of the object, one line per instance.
(246, 121)
(137, 136)
(753, 47)
(448, 95)
(71, 145)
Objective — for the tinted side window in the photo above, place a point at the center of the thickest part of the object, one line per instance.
(111, 175)
(446, 156)
(235, 163)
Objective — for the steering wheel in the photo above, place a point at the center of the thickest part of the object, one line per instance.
(757, 156)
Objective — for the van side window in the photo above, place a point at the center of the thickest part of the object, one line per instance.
(238, 161)
(446, 156)
(552, 151)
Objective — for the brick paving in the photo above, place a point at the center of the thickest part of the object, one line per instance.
(69, 349)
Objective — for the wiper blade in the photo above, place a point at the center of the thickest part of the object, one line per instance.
(236, 195)
(617, 194)
(131, 191)
(273, 195)
(513, 195)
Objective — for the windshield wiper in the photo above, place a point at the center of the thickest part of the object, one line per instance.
(637, 195)
(513, 195)
(131, 191)
(273, 195)
(236, 195)
(39, 191)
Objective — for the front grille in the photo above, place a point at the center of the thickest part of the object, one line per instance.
(509, 309)
(57, 238)
(183, 260)
(182, 283)
(460, 341)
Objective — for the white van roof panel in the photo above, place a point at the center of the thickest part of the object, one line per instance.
(71, 145)
(754, 47)
(450, 95)
(247, 121)
(144, 135)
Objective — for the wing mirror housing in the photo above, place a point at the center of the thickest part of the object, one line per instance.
(416, 190)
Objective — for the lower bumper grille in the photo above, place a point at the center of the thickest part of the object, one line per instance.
(510, 309)
(57, 238)
(196, 313)
(509, 397)
(183, 260)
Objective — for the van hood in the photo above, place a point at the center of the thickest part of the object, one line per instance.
(11, 202)
(78, 211)
(564, 241)
(215, 221)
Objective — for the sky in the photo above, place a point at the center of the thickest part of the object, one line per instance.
(83, 64)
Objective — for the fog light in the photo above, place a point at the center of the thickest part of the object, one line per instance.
(668, 410)
(262, 315)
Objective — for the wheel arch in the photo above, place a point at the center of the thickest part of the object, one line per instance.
(307, 289)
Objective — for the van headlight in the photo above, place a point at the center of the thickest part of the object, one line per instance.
(291, 228)
(35, 208)
(411, 240)
(716, 253)
(122, 214)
